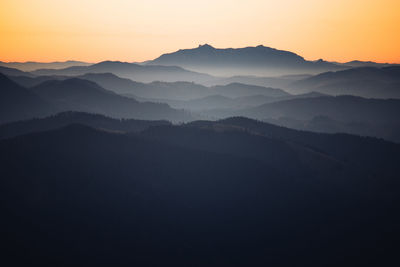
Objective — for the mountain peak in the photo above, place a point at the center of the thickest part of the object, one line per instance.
(251, 60)
(205, 46)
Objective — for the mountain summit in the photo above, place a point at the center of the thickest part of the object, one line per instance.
(260, 60)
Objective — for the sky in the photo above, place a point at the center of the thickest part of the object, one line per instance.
(134, 31)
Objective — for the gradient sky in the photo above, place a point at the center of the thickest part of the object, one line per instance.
(132, 30)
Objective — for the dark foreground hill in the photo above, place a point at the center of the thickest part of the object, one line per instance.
(231, 193)
(73, 117)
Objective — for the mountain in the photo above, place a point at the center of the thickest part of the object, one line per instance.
(240, 90)
(14, 72)
(203, 103)
(358, 64)
(259, 60)
(231, 193)
(344, 108)
(17, 102)
(351, 114)
(324, 124)
(274, 82)
(124, 86)
(160, 90)
(153, 90)
(31, 65)
(365, 81)
(64, 119)
(82, 95)
(30, 81)
(223, 102)
(177, 90)
(114, 83)
(132, 71)
(363, 152)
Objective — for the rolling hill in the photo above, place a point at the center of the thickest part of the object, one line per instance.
(366, 82)
(17, 102)
(82, 95)
(132, 71)
(32, 66)
(66, 118)
(14, 72)
(348, 114)
(160, 90)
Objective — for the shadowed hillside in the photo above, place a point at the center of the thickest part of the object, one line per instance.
(159, 90)
(349, 114)
(72, 117)
(132, 71)
(17, 102)
(228, 191)
(366, 82)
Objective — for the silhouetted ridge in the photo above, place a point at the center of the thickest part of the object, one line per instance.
(72, 85)
(257, 60)
(86, 96)
(14, 72)
(347, 114)
(363, 81)
(65, 118)
(204, 188)
(365, 152)
(17, 102)
(32, 66)
(141, 73)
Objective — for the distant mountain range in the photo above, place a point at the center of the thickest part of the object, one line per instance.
(260, 60)
(358, 64)
(160, 90)
(258, 65)
(76, 95)
(32, 66)
(219, 101)
(365, 81)
(14, 72)
(308, 111)
(276, 82)
(132, 71)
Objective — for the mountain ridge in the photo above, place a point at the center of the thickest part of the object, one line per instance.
(250, 60)
(137, 72)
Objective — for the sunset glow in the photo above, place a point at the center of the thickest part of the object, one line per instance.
(96, 30)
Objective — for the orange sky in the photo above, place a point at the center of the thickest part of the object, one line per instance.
(132, 30)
